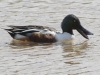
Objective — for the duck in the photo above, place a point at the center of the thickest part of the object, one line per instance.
(45, 34)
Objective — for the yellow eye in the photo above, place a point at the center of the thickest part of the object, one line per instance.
(74, 20)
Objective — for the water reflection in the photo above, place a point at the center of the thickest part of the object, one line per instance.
(73, 51)
(75, 47)
(17, 44)
(68, 46)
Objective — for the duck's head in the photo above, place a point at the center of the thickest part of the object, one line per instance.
(71, 22)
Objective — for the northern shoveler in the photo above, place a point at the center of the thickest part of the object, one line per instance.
(49, 35)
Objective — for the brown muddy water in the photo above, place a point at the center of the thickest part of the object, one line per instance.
(80, 57)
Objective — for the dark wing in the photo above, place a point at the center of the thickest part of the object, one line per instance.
(33, 27)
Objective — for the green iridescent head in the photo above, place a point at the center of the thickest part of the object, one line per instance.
(71, 22)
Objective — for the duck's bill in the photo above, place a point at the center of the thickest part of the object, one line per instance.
(84, 32)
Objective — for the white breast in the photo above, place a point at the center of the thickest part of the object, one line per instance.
(64, 36)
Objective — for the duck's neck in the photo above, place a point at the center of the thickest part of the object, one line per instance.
(66, 26)
(67, 29)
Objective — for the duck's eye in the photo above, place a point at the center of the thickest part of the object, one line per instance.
(74, 20)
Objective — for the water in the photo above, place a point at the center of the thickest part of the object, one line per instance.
(81, 57)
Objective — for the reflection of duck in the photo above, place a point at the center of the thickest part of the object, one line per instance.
(73, 53)
(77, 48)
(46, 34)
(17, 44)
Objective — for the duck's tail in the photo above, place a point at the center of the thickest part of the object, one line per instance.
(10, 31)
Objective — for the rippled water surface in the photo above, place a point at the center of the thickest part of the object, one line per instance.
(79, 57)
